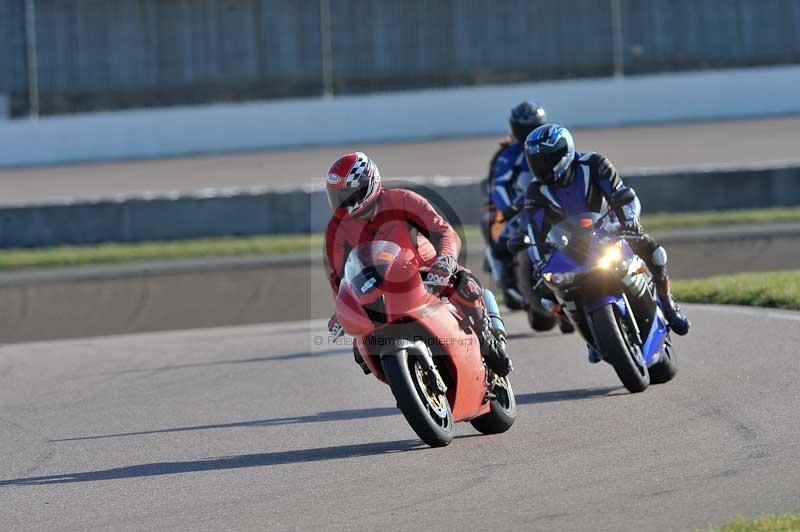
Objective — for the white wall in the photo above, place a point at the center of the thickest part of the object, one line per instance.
(396, 116)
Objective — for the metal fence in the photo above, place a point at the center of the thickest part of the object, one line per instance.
(62, 56)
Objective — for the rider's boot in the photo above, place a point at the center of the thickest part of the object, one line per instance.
(594, 356)
(494, 352)
(494, 348)
(677, 320)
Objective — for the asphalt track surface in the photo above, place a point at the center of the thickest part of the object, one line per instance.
(256, 427)
(662, 146)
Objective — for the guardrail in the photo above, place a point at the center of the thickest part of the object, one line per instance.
(226, 212)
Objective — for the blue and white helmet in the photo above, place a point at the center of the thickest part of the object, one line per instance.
(550, 151)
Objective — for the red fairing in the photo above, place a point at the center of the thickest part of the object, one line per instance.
(393, 290)
(350, 312)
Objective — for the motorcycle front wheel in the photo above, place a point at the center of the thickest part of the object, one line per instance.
(618, 350)
(426, 411)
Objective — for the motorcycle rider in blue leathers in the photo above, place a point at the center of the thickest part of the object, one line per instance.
(568, 183)
(507, 182)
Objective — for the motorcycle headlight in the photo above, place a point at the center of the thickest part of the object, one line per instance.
(612, 256)
(559, 279)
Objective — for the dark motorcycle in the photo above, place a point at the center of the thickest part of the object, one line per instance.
(608, 294)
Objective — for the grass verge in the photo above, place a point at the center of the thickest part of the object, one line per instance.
(769, 289)
(788, 522)
(689, 220)
(13, 259)
(281, 244)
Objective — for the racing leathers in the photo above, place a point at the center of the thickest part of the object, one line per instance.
(407, 219)
(592, 181)
(507, 182)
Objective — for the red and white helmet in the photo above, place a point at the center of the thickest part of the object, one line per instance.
(353, 185)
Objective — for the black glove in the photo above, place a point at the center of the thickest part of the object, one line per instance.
(335, 328)
(441, 273)
(510, 211)
(360, 361)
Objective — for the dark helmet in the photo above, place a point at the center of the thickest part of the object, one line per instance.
(353, 185)
(524, 118)
(550, 151)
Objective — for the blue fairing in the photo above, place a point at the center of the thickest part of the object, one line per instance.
(654, 343)
(612, 300)
(559, 262)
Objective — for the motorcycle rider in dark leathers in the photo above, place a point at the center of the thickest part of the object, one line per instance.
(505, 188)
(569, 182)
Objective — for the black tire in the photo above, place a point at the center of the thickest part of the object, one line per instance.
(618, 350)
(665, 369)
(540, 322)
(565, 325)
(400, 366)
(503, 409)
(511, 303)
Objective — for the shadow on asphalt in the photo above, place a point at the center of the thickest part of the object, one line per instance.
(251, 360)
(527, 335)
(226, 462)
(361, 413)
(337, 415)
(566, 395)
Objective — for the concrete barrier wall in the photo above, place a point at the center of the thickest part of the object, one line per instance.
(396, 116)
(78, 302)
(270, 211)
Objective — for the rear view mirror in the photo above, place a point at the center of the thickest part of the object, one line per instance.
(519, 243)
(623, 196)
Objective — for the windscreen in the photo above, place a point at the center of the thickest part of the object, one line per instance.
(367, 263)
(573, 236)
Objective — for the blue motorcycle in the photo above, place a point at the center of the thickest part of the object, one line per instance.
(607, 292)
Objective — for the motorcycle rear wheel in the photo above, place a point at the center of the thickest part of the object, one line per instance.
(503, 409)
(427, 412)
(616, 348)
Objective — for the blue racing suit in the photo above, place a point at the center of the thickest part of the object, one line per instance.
(508, 181)
(592, 181)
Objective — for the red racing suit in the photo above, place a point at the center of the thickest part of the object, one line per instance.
(407, 219)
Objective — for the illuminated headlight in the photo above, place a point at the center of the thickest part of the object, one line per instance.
(611, 257)
(559, 279)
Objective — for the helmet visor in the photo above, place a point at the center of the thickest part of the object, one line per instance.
(346, 198)
(542, 164)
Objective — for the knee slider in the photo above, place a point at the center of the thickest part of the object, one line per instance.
(660, 256)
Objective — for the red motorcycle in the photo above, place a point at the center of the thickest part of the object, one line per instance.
(420, 345)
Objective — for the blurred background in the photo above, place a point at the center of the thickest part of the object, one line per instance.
(73, 56)
(166, 151)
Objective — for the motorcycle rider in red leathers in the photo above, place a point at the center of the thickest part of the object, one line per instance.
(364, 211)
